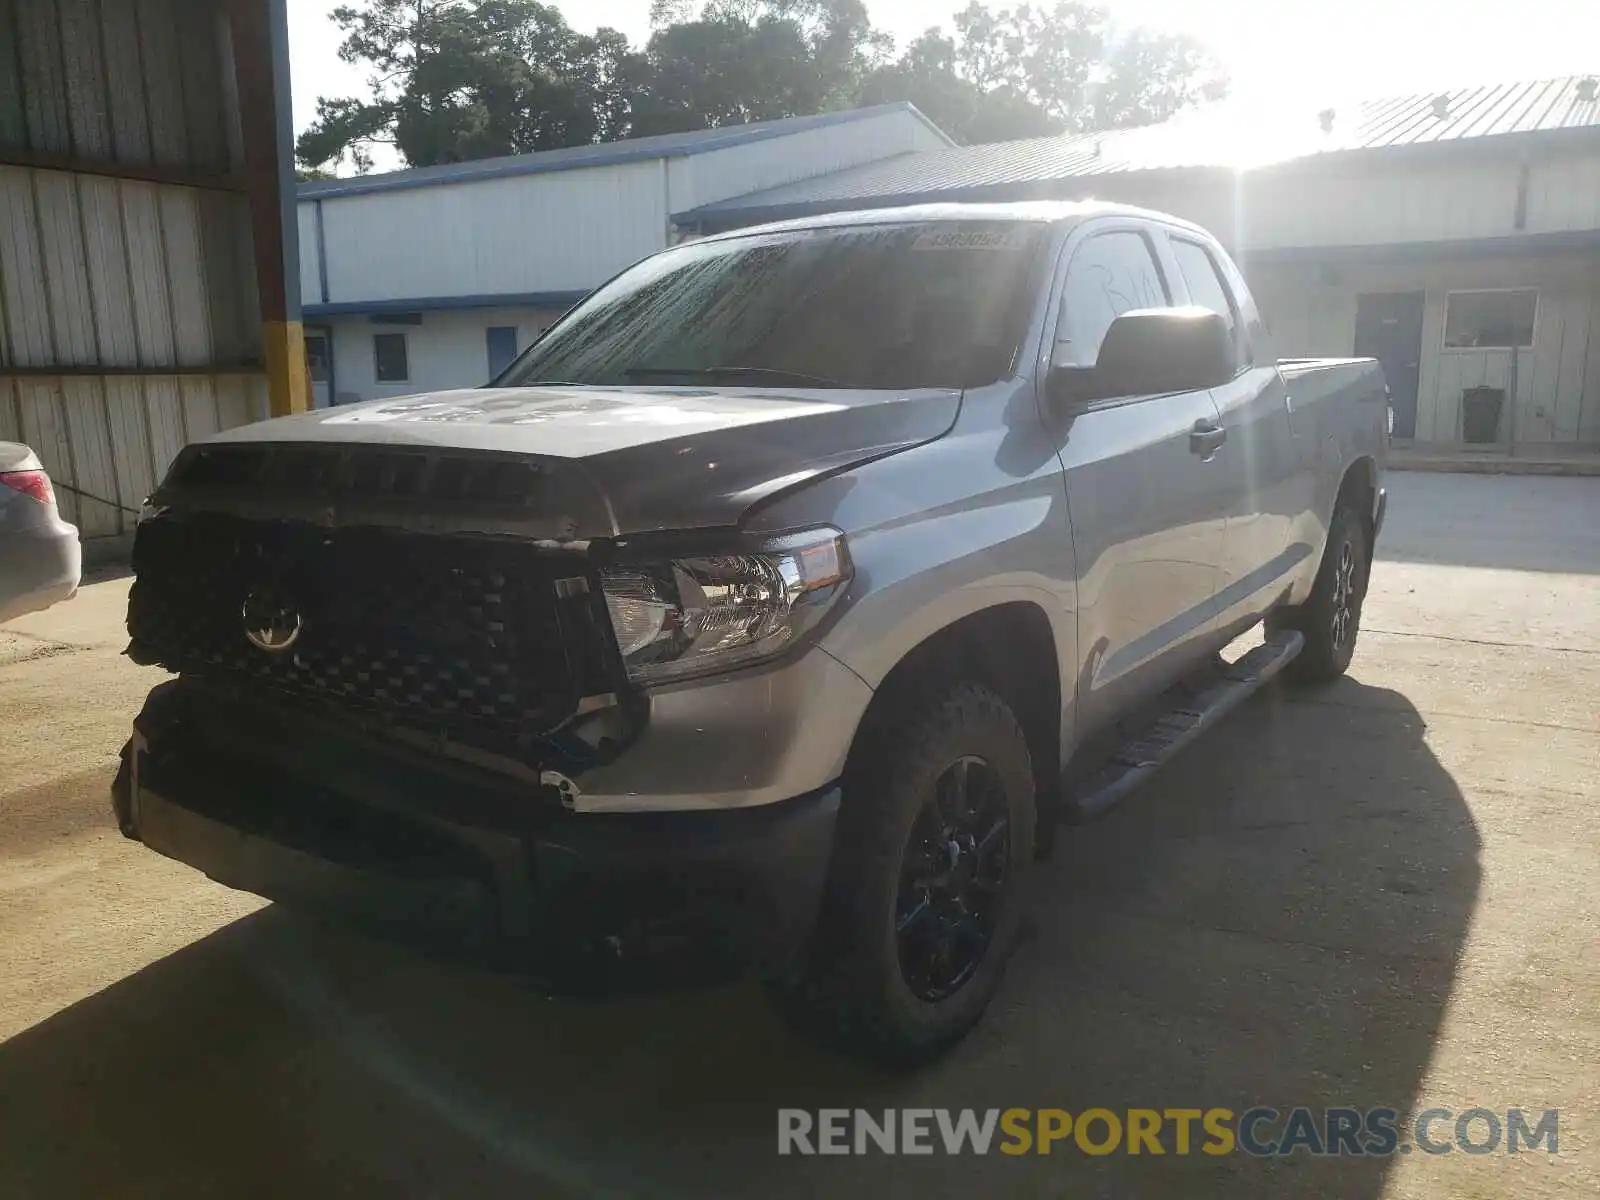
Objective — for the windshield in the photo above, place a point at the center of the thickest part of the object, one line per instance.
(931, 304)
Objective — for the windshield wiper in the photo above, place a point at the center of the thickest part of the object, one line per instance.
(774, 373)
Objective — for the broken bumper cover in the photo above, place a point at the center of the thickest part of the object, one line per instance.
(463, 860)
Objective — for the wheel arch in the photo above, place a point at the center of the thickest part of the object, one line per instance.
(1358, 489)
(1009, 646)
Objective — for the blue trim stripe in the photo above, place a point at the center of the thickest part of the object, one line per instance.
(357, 308)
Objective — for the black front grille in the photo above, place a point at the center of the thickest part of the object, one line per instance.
(489, 641)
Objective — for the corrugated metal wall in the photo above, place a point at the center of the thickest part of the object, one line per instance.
(1564, 193)
(129, 322)
(1307, 320)
(1469, 198)
(306, 217)
(706, 178)
(562, 231)
(1556, 386)
(1417, 204)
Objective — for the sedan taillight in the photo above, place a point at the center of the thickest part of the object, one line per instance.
(29, 483)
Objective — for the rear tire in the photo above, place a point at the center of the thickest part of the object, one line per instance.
(1330, 619)
(924, 892)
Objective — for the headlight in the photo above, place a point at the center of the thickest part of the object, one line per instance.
(694, 616)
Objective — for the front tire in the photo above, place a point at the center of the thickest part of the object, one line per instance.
(1330, 619)
(922, 909)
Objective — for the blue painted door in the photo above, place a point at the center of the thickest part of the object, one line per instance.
(1389, 329)
(501, 341)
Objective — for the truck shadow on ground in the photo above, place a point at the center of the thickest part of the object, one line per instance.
(1276, 920)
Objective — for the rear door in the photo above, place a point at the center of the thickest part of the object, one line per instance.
(1261, 460)
(1148, 502)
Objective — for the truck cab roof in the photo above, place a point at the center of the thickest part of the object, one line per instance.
(1048, 212)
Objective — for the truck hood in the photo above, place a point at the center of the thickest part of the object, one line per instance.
(622, 460)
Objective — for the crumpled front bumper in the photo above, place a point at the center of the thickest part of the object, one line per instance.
(271, 802)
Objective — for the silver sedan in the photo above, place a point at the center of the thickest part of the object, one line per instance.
(40, 558)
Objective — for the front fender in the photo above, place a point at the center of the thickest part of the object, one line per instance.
(945, 531)
(914, 580)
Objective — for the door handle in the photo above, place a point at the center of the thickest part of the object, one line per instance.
(1206, 438)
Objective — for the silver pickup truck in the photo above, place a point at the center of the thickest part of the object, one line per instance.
(775, 607)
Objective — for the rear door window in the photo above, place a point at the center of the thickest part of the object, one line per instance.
(1208, 289)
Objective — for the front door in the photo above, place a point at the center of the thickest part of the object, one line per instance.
(1389, 329)
(1148, 501)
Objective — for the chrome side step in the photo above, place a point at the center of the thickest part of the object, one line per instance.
(1196, 712)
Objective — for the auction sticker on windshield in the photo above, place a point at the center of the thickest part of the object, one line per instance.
(1010, 238)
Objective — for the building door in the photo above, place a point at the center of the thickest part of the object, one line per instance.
(1389, 329)
(500, 342)
(319, 366)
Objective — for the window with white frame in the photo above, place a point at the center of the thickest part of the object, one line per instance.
(1500, 319)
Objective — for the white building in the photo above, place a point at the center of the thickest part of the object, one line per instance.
(436, 277)
(1456, 237)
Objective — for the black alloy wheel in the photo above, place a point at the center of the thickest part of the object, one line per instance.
(923, 900)
(953, 878)
(1342, 621)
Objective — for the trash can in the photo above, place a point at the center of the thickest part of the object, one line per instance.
(1480, 415)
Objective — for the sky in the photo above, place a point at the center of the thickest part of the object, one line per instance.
(1297, 53)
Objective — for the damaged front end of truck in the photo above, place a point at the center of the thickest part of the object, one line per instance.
(393, 672)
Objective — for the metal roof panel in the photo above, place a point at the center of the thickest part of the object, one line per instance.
(1223, 136)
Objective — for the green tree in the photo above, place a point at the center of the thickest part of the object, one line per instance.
(733, 61)
(929, 75)
(453, 80)
(1149, 78)
(1032, 70)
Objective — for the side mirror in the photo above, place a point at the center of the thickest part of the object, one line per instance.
(1149, 351)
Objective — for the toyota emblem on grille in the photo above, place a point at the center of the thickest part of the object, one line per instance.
(271, 620)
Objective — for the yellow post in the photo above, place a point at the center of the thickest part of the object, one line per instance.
(288, 382)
